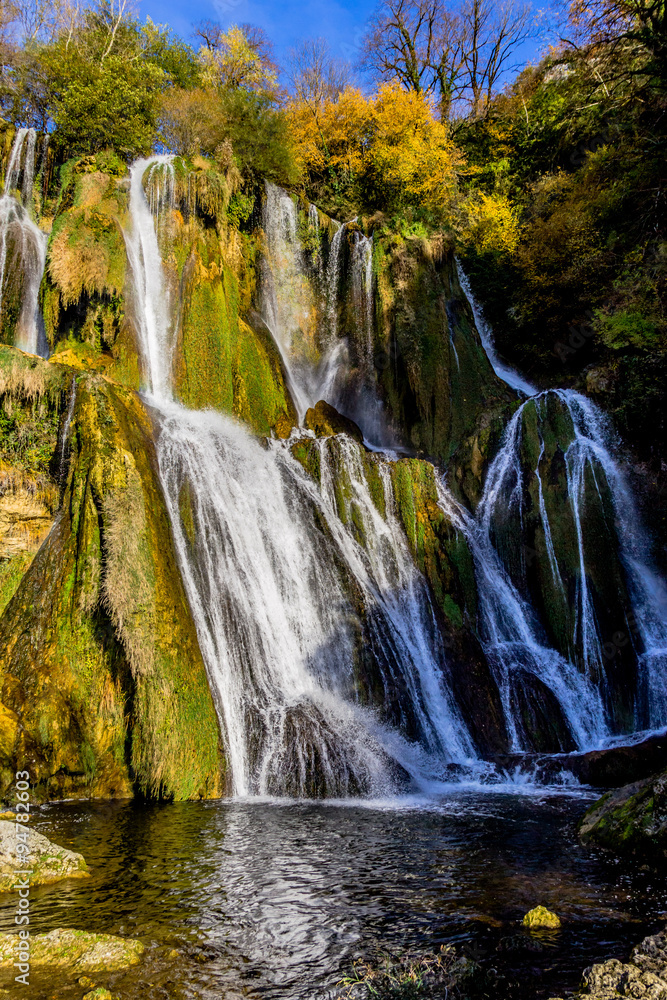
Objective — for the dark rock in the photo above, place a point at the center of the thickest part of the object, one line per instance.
(610, 768)
(325, 420)
(539, 714)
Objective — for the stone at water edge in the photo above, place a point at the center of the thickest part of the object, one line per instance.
(631, 820)
(540, 917)
(644, 976)
(48, 862)
(99, 993)
(78, 951)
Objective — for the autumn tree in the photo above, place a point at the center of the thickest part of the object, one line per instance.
(386, 152)
(241, 56)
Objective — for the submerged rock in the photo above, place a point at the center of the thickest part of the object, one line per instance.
(631, 820)
(48, 861)
(78, 951)
(539, 916)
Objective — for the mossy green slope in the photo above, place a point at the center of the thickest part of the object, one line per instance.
(99, 653)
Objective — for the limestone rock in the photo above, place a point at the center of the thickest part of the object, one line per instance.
(612, 979)
(539, 916)
(48, 861)
(78, 951)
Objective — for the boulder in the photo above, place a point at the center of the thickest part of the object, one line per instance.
(631, 820)
(325, 420)
(540, 917)
(644, 975)
(77, 951)
(48, 862)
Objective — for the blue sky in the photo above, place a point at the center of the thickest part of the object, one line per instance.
(341, 22)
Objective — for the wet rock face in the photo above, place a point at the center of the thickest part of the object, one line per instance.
(48, 861)
(631, 820)
(99, 655)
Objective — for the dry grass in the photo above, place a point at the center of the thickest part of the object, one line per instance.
(127, 588)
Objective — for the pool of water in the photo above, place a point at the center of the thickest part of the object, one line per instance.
(278, 900)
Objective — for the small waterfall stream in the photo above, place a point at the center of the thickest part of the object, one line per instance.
(24, 242)
(321, 363)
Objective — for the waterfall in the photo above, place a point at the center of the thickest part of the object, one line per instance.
(25, 241)
(151, 300)
(503, 371)
(288, 600)
(278, 630)
(511, 632)
(321, 644)
(301, 308)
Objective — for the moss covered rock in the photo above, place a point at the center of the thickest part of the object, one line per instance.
(434, 375)
(541, 917)
(324, 420)
(631, 820)
(47, 861)
(76, 951)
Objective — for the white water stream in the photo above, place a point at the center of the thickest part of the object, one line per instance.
(270, 594)
(22, 243)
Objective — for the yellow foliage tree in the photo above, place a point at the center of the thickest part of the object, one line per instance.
(489, 222)
(389, 144)
(234, 62)
(409, 150)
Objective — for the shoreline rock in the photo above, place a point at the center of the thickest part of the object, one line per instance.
(79, 951)
(630, 820)
(48, 862)
(643, 976)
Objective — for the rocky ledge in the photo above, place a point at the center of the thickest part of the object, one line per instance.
(48, 862)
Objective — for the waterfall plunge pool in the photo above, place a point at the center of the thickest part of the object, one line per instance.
(278, 899)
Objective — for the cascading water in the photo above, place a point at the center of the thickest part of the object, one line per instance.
(22, 239)
(503, 371)
(301, 311)
(270, 593)
(513, 636)
(291, 598)
(151, 301)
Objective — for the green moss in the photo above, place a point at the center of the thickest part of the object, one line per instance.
(11, 574)
(99, 633)
(307, 452)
